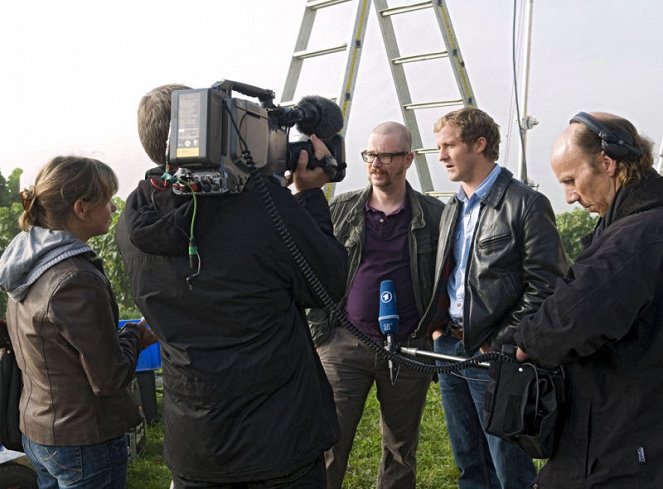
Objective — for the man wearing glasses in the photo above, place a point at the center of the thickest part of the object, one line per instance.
(390, 232)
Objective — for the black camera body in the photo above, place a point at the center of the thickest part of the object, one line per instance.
(215, 137)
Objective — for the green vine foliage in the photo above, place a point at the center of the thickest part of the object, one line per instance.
(8, 229)
(106, 247)
(10, 210)
(572, 227)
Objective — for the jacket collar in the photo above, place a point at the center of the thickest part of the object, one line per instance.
(635, 197)
(496, 192)
(417, 212)
(640, 196)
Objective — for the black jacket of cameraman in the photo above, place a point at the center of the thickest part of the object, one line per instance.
(245, 395)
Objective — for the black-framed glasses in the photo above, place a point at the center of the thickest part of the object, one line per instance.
(385, 158)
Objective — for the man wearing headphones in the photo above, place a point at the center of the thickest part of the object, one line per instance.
(604, 321)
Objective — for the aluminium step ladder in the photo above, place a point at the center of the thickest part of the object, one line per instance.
(354, 48)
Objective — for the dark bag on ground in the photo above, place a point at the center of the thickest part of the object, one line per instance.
(524, 405)
(10, 394)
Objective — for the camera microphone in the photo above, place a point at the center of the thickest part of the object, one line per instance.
(319, 116)
(388, 318)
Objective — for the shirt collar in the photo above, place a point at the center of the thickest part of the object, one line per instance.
(483, 188)
(368, 208)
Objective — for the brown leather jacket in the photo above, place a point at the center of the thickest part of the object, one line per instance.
(76, 367)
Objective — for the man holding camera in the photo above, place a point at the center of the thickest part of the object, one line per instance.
(390, 233)
(245, 397)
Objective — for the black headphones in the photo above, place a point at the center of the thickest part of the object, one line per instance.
(616, 143)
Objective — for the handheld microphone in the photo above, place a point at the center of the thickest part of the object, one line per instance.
(388, 319)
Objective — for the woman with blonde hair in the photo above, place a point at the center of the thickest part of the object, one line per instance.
(62, 318)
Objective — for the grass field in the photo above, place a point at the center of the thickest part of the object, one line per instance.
(435, 467)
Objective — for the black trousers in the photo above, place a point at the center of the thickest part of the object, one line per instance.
(309, 477)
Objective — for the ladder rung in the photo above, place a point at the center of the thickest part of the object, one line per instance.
(425, 151)
(405, 9)
(439, 194)
(431, 105)
(319, 52)
(420, 57)
(292, 103)
(317, 4)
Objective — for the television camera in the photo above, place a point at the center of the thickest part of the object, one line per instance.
(215, 138)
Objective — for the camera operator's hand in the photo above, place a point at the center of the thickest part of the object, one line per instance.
(305, 178)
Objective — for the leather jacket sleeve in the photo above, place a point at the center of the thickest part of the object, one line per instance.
(543, 261)
(82, 309)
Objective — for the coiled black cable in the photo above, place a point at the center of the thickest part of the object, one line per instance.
(333, 308)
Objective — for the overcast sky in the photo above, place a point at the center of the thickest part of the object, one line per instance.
(73, 71)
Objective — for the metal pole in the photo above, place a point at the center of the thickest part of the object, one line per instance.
(415, 352)
(527, 122)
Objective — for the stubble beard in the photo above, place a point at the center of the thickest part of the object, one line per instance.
(386, 182)
(452, 175)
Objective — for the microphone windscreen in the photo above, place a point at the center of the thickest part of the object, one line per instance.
(322, 117)
(388, 315)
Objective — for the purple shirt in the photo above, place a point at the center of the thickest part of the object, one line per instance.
(385, 256)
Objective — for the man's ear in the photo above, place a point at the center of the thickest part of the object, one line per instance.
(609, 164)
(409, 158)
(479, 145)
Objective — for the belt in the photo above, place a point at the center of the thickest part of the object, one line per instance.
(456, 330)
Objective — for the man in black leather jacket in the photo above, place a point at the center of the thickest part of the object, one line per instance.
(245, 396)
(498, 257)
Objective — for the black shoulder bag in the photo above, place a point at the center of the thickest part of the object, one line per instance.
(524, 405)
(10, 394)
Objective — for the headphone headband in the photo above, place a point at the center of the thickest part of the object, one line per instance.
(616, 143)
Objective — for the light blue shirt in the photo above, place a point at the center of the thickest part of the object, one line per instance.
(462, 242)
